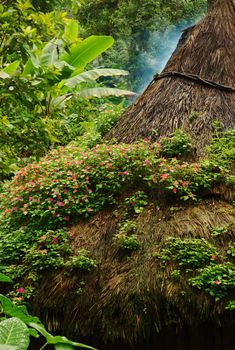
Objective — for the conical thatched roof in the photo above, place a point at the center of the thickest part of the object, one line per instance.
(196, 87)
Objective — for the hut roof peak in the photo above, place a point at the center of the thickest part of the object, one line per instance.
(193, 80)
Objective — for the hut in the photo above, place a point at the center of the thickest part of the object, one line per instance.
(196, 87)
(133, 301)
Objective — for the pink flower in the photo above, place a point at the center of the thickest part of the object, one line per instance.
(217, 282)
(66, 218)
(146, 161)
(20, 290)
(60, 204)
(125, 173)
(174, 190)
(54, 241)
(30, 199)
(183, 183)
(51, 200)
(164, 176)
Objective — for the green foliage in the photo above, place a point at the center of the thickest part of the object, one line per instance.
(231, 250)
(177, 145)
(189, 253)
(81, 261)
(126, 242)
(222, 148)
(126, 237)
(48, 250)
(205, 267)
(137, 202)
(217, 280)
(69, 182)
(220, 230)
(42, 79)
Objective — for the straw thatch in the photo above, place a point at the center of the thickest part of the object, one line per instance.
(196, 88)
(130, 297)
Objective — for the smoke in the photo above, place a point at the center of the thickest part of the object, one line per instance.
(160, 47)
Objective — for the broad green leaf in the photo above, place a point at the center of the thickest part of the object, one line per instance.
(86, 51)
(103, 92)
(14, 332)
(71, 30)
(93, 74)
(8, 347)
(4, 278)
(12, 310)
(41, 330)
(11, 68)
(55, 340)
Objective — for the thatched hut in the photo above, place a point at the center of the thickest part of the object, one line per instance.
(196, 88)
(132, 301)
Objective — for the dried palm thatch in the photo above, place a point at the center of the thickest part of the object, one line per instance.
(196, 87)
(131, 297)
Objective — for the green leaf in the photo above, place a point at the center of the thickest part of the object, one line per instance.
(71, 30)
(4, 278)
(12, 310)
(92, 75)
(57, 339)
(8, 347)
(86, 51)
(11, 68)
(29, 68)
(103, 92)
(14, 332)
(63, 347)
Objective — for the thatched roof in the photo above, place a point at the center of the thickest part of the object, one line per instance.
(200, 90)
(131, 297)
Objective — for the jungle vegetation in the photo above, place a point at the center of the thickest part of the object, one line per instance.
(83, 211)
